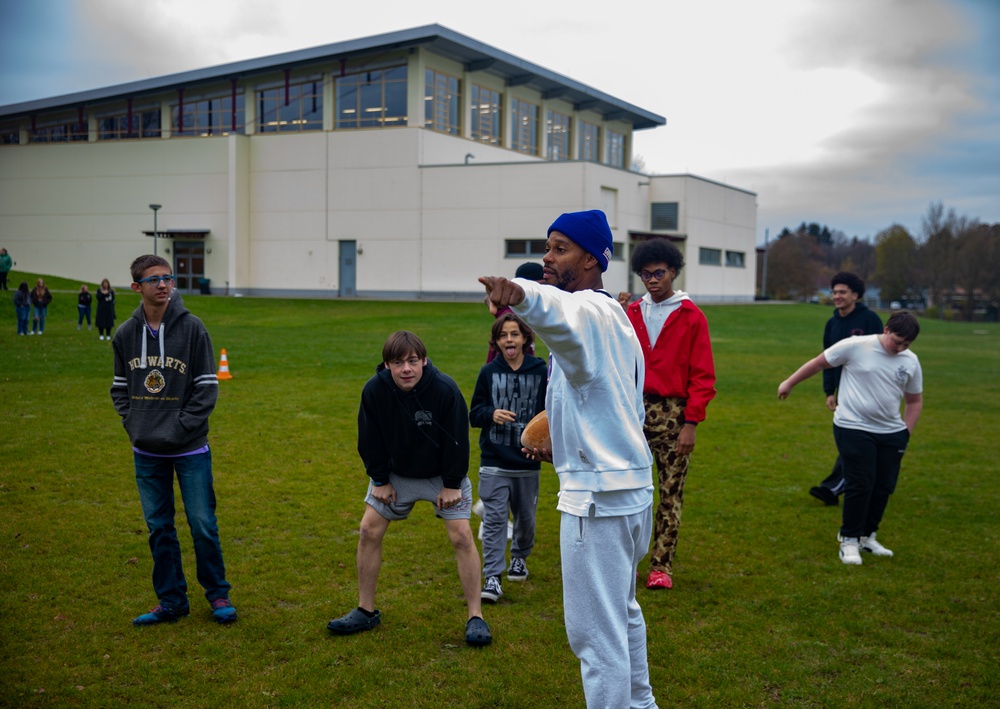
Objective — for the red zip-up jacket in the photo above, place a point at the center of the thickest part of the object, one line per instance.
(680, 365)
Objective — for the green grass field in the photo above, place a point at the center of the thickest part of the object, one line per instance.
(762, 614)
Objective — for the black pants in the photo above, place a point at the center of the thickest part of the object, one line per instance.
(3, 280)
(871, 469)
(834, 482)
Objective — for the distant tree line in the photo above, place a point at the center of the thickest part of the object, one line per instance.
(951, 268)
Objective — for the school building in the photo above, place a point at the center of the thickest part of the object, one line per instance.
(396, 166)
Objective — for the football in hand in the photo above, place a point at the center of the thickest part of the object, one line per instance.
(536, 433)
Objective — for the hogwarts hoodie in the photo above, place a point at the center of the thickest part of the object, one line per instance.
(421, 433)
(165, 385)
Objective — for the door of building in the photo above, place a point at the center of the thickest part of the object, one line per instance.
(348, 271)
(189, 265)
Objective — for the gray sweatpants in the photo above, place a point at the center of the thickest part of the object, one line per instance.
(604, 622)
(499, 494)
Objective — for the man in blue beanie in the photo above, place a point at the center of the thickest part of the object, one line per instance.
(596, 415)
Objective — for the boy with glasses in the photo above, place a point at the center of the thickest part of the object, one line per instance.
(413, 437)
(879, 373)
(680, 381)
(164, 389)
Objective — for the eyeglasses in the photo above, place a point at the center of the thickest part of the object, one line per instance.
(156, 280)
(654, 276)
(399, 363)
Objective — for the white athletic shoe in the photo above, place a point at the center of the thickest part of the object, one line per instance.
(872, 546)
(850, 550)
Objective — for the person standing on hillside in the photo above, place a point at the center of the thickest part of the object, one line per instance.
(851, 318)
(6, 263)
(105, 319)
(40, 299)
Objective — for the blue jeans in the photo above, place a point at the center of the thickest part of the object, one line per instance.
(84, 313)
(23, 311)
(155, 479)
(38, 323)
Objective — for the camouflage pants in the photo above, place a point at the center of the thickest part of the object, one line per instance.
(664, 417)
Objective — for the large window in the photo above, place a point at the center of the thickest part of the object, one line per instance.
(442, 102)
(10, 135)
(297, 107)
(145, 123)
(372, 99)
(709, 257)
(589, 145)
(557, 136)
(663, 216)
(524, 135)
(62, 132)
(206, 115)
(485, 117)
(524, 247)
(615, 149)
(735, 259)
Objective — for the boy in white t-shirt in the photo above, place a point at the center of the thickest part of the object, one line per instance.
(879, 371)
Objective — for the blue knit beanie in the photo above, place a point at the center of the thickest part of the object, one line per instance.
(590, 231)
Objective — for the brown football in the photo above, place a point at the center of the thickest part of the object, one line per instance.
(536, 433)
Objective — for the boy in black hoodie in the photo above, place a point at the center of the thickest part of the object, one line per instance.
(413, 437)
(164, 389)
(509, 392)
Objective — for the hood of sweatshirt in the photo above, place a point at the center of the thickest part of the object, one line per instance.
(171, 317)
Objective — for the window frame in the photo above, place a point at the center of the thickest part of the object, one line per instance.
(390, 79)
(486, 116)
(442, 102)
(557, 135)
(708, 256)
(524, 126)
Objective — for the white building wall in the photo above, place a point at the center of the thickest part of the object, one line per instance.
(78, 210)
(716, 216)
(424, 220)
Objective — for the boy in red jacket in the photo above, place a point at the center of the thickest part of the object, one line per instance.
(680, 381)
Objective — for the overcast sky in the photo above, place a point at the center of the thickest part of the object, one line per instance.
(856, 114)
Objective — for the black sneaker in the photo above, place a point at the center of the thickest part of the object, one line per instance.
(518, 570)
(492, 591)
(825, 495)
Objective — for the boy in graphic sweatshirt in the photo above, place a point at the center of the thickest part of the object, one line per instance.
(164, 389)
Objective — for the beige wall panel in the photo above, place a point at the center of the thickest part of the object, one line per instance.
(366, 226)
(388, 265)
(288, 152)
(393, 147)
(293, 265)
(393, 189)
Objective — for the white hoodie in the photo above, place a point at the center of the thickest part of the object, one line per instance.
(594, 399)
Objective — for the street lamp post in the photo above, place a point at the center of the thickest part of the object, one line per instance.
(155, 208)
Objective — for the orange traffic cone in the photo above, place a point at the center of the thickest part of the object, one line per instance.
(223, 372)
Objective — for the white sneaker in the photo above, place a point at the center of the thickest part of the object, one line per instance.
(870, 545)
(850, 550)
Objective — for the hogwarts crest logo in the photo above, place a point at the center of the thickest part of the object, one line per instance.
(154, 382)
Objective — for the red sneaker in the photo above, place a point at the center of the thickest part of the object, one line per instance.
(659, 579)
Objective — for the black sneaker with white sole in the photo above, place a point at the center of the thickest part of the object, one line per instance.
(518, 570)
(492, 591)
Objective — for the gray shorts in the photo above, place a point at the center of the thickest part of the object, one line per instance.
(409, 491)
